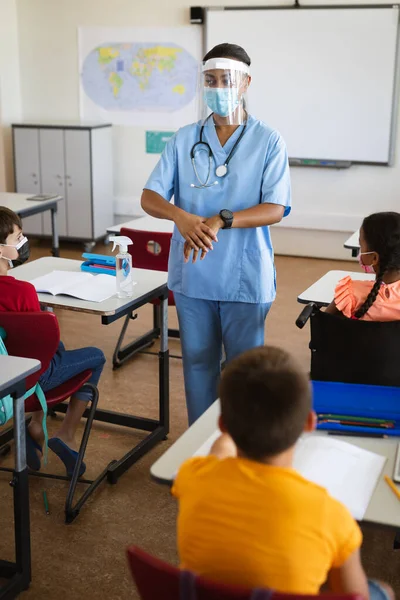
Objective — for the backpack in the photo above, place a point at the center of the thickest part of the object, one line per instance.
(6, 403)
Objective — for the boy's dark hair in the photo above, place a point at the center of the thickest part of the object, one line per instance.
(265, 400)
(8, 219)
(382, 235)
(228, 51)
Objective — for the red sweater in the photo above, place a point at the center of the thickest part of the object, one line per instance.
(17, 296)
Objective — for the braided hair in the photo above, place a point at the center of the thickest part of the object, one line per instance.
(382, 235)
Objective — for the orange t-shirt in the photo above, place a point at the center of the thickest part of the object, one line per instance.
(351, 293)
(246, 523)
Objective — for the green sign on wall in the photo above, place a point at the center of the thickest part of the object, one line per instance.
(156, 140)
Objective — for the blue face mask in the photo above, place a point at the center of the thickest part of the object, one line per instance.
(222, 101)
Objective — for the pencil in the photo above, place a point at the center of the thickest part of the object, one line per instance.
(46, 503)
(394, 489)
(361, 434)
(354, 418)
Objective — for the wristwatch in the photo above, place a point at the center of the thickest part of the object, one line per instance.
(227, 217)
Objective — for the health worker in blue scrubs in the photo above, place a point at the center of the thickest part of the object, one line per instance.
(229, 177)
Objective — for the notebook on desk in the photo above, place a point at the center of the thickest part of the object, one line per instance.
(93, 288)
(349, 473)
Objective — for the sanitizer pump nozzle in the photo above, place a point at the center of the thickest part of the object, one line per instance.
(123, 266)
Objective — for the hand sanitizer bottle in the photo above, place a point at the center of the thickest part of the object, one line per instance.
(123, 266)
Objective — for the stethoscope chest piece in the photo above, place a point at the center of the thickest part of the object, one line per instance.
(221, 171)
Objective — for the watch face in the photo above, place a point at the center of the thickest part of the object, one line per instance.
(226, 214)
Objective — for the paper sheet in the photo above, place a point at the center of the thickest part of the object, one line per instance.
(85, 286)
(349, 473)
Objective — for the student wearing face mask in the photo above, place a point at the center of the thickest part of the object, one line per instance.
(229, 177)
(21, 296)
(377, 300)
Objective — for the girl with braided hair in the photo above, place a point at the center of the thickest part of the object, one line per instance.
(377, 300)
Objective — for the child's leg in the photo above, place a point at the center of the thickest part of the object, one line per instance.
(69, 425)
(379, 590)
(65, 365)
(35, 427)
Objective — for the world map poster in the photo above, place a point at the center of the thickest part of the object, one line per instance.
(139, 76)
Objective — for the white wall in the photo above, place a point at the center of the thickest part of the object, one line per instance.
(10, 96)
(323, 200)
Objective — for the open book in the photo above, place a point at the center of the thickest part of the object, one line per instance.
(349, 473)
(93, 288)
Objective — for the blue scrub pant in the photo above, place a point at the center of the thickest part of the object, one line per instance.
(204, 326)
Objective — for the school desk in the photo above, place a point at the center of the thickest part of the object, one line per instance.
(20, 204)
(322, 291)
(353, 244)
(144, 224)
(13, 373)
(383, 509)
(150, 285)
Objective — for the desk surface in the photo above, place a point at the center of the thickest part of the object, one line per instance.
(13, 369)
(146, 282)
(353, 242)
(19, 203)
(322, 291)
(144, 224)
(384, 508)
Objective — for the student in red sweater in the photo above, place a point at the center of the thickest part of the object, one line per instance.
(20, 296)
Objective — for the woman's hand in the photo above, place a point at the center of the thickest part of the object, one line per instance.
(197, 234)
(214, 224)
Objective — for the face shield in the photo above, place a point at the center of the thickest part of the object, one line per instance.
(222, 91)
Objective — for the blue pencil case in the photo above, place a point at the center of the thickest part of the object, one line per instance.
(99, 263)
(356, 400)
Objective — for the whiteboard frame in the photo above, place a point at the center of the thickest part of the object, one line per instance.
(396, 80)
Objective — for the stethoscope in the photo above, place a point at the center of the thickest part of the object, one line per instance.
(221, 170)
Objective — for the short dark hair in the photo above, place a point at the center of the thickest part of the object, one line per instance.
(382, 235)
(8, 219)
(228, 51)
(265, 400)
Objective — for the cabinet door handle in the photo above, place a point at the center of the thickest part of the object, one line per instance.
(67, 177)
(58, 176)
(33, 174)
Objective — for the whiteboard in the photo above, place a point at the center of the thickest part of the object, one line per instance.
(325, 78)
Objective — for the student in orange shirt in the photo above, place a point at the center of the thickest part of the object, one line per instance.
(246, 517)
(377, 300)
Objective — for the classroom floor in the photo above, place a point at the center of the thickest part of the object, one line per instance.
(87, 558)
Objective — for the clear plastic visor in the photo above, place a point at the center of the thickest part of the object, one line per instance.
(223, 85)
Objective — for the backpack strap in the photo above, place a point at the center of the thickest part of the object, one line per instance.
(36, 389)
(187, 585)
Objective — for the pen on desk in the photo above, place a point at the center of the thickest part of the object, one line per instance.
(357, 423)
(354, 418)
(392, 486)
(46, 503)
(358, 434)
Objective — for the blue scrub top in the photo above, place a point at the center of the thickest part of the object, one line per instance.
(241, 266)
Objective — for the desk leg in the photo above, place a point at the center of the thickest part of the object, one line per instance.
(56, 247)
(163, 359)
(159, 429)
(21, 498)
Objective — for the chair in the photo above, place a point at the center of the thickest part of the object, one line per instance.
(144, 258)
(156, 579)
(36, 335)
(351, 350)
